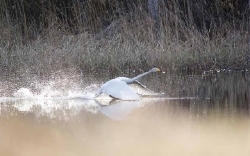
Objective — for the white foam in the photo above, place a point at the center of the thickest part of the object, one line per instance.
(23, 93)
(56, 93)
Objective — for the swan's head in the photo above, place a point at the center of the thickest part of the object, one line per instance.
(155, 70)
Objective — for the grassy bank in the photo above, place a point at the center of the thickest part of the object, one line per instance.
(125, 50)
(127, 43)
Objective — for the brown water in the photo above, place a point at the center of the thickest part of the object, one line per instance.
(199, 115)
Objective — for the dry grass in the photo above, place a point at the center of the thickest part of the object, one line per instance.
(128, 43)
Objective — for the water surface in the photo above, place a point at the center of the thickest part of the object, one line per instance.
(198, 115)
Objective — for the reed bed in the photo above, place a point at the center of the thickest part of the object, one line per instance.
(131, 40)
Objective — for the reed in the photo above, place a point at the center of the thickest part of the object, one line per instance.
(129, 38)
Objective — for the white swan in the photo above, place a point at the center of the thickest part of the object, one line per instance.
(118, 87)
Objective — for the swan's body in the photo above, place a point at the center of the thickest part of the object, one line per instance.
(118, 87)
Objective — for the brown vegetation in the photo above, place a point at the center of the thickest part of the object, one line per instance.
(43, 37)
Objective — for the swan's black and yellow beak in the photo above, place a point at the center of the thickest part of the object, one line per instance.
(158, 70)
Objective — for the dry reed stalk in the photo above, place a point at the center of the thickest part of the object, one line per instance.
(131, 43)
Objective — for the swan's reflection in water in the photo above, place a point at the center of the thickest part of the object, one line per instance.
(120, 110)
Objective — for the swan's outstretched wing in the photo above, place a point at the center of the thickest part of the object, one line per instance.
(141, 89)
(119, 89)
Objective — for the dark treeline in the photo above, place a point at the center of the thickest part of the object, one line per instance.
(32, 17)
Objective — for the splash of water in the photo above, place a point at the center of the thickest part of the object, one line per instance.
(23, 93)
(54, 91)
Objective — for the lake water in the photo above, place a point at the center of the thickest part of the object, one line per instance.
(198, 115)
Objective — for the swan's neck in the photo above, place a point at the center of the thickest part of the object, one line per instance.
(141, 75)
